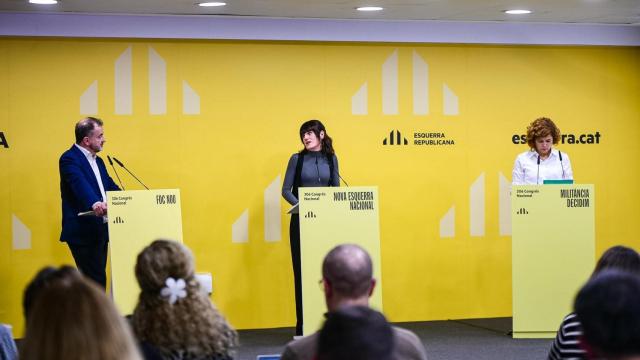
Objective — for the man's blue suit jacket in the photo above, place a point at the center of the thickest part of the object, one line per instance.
(79, 191)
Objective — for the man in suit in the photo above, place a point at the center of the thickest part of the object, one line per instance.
(347, 280)
(83, 183)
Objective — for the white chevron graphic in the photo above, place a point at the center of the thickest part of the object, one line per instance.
(123, 88)
(420, 90)
(476, 207)
(359, 101)
(450, 101)
(504, 201)
(477, 216)
(20, 233)
(448, 224)
(123, 84)
(272, 211)
(157, 83)
(390, 85)
(89, 100)
(240, 228)
(420, 85)
(190, 100)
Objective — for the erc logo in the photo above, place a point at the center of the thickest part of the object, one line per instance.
(3, 141)
(395, 138)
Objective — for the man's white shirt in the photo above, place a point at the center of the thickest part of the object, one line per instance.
(94, 166)
(527, 172)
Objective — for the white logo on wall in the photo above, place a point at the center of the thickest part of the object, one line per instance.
(123, 88)
(477, 219)
(272, 216)
(420, 93)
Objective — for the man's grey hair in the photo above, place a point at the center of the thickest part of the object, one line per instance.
(349, 270)
(85, 126)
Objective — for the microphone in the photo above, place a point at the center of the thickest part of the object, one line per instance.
(114, 170)
(561, 165)
(537, 176)
(124, 167)
(343, 180)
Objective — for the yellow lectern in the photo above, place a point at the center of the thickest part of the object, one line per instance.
(553, 253)
(137, 218)
(330, 216)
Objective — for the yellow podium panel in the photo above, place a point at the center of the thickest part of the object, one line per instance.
(137, 218)
(330, 216)
(553, 253)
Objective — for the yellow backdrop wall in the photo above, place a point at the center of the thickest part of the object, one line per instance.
(219, 120)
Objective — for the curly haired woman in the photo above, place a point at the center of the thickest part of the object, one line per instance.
(541, 162)
(174, 318)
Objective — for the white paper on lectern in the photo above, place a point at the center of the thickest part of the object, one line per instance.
(294, 209)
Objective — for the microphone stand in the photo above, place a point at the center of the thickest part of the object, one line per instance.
(343, 180)
(114, 170)
(537, 176)
(124, 167)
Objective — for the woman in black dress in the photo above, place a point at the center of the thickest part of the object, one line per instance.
(315, 165)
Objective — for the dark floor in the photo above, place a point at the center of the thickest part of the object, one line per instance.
(476, 339)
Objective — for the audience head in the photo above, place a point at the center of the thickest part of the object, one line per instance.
(71, 318)
(347, 274)
(173, 313)
(42, 279)
(355, 333)
(608, 307)
(620, 258)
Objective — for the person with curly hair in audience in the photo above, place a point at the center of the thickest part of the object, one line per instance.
(71, 318)
(174, 318)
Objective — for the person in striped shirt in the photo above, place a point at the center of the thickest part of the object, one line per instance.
(567, 342)
(609, 312)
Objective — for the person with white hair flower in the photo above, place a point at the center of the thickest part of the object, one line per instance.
(174, 318)
(174, 290)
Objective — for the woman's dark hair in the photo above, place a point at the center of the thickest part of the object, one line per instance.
(43, 279)
(316, 126)
(609, 312)
(620, 258)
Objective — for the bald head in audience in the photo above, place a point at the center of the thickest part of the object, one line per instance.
(347, 275)
(348, 282)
